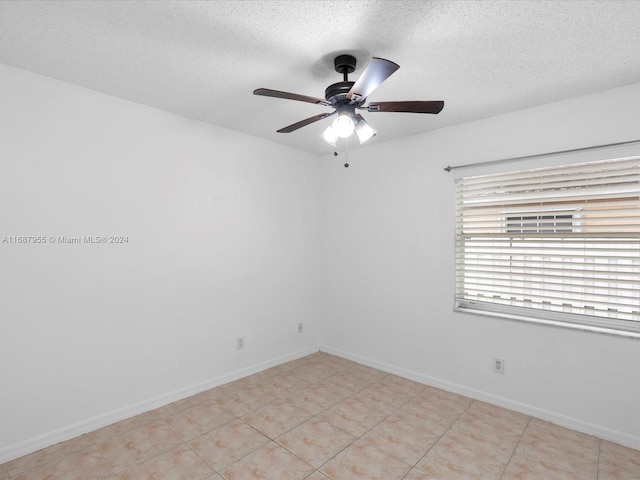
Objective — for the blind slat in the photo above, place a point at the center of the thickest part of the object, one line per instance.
(559, 297)
(594, 283)
(621, 275)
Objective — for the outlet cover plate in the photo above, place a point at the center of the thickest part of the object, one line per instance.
(498, 365)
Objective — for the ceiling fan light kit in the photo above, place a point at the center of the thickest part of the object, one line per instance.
(346, 97)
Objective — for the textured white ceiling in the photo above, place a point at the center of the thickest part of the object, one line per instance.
(203, 59)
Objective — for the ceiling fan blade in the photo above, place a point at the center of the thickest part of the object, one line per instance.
(267, 92)
(376, 72)
(434, 106)
(303, 123)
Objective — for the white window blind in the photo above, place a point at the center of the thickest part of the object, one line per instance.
(558, 245)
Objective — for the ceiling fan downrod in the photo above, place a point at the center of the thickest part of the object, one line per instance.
(345, 64)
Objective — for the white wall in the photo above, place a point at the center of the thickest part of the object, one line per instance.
(224, 241)
(388, 266)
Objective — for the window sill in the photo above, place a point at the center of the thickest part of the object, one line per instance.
(549, 322)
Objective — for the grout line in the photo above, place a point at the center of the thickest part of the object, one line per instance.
(506, 465)
(415, 465)
(598, 459)
(198, 455)
(114, 475)
(314, 416)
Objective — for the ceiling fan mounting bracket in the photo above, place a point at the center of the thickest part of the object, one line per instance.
(345, 64)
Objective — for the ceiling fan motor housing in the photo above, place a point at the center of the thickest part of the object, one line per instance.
(337, 92)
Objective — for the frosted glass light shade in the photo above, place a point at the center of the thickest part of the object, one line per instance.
(364, 131)
(329, 136)
(343, 126)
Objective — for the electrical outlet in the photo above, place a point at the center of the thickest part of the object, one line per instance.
(498, 365)
(240, 343)
(300, 327)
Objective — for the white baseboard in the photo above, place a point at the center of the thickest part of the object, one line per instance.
(604, 433)
(51, 438)
(66, 433)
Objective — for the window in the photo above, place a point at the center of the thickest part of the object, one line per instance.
(555, 245)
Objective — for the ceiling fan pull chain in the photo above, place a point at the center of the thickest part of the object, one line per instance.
(346, 153)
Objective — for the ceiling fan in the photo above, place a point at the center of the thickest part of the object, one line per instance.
(346, 97)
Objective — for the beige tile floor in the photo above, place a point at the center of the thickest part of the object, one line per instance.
(323, 417)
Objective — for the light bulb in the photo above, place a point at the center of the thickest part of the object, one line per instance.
(343, 126)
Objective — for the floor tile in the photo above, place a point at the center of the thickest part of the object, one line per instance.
(245, 400)
(276, 418)
(436, 396)
(86, 464)
(416, 474)
(317, 476)
(374, 400)
(401, 438)
(317, 398)
(225, 389)
(361, 461)
(353, 416)
(185, 403)
(485, 432)
(313, 373)
(315, 441)
(121, 427)
(338, 362)
(175, 407)
(569, 441)
(459, 453)
(395, 397)
(213, 395)
(430, 418)
(53, 453)
(550, 451)
(282, 368)
(284, 383)
(181, 462)
(366, 374)
(136, 446)
(348, 382)
(198, 420)
(271, 462)
(228, 444)
(402, 384)
(618, 463)
(484, 418)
